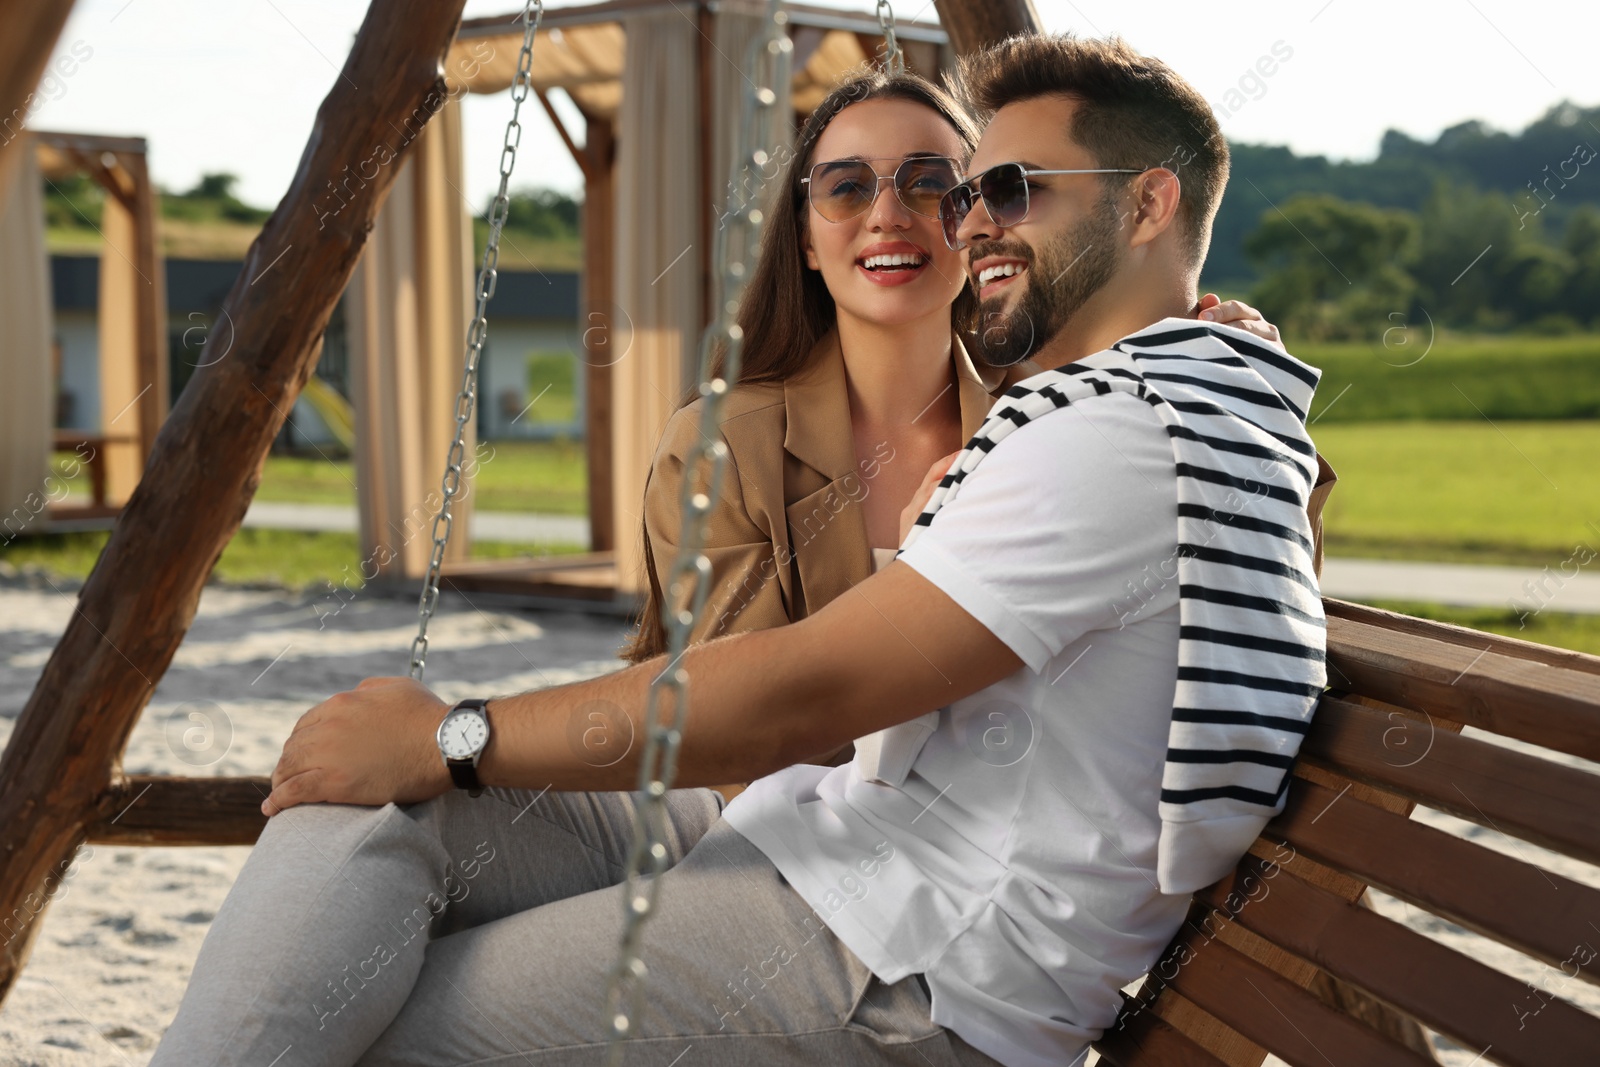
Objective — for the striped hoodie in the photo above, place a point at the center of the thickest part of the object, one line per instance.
(1251, 628)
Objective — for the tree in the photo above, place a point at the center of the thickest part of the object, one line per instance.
(1484, 263)
(1581, 296)
(1332, 268)
(210, 198)
(542, 213)
(213, 187)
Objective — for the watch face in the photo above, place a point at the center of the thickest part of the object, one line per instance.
(463, 734)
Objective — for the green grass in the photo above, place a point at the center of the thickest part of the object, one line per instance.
(553, 387)
(1579, 633)
(1463, 491)
(520, 476)
(308, 480)
(288, 558)
(1501, 377)
(521, 250)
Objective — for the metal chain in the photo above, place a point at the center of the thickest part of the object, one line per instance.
(894, 60)
(763, 121)
(477, 333)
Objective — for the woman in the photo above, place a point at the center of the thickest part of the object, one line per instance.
(854, 379)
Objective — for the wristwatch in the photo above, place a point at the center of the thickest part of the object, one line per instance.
(462, 737)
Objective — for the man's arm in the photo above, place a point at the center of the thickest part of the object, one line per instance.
(892, 648)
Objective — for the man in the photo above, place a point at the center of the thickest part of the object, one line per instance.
(1091, 664)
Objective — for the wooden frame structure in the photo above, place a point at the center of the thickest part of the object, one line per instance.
(133, 299)
(133, 307)
(63, 759)
(583, 57)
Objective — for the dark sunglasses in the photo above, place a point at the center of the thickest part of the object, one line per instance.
(844, 188)
(1003, 188)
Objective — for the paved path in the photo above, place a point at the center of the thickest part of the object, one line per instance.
(1517, 588)
(1526, 588)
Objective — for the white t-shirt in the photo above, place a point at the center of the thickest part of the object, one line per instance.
(1014, 862)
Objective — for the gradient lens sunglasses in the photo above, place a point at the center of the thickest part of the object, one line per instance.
(844, 188)
(1003, 188)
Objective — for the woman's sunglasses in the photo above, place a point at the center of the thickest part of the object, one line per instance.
(845, 188)
(1004, 191)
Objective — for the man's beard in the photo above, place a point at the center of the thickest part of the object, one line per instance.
(1060, 279)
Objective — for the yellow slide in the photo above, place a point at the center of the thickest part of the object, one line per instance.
(334, 410)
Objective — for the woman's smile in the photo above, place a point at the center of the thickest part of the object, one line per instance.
(890, 263)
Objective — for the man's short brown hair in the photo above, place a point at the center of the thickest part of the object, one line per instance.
(1134, 111)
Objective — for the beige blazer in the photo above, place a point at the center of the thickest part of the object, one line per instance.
(786, 536)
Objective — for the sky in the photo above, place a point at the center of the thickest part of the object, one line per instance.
(234, 86)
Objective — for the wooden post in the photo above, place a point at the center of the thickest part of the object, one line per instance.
(603, 340)
(32, 27)
(123, 385)
(150, 322)
(137, 604)
(976, 24)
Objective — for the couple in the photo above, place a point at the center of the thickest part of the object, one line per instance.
(1075, 692)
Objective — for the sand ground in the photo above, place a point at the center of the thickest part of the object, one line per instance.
(114, 953)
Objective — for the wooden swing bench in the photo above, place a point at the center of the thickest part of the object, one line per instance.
(1237, 982)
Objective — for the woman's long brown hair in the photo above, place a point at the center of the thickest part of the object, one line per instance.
(787, 307)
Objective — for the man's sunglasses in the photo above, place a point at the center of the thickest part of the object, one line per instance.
(844, 188)
(1004, 191)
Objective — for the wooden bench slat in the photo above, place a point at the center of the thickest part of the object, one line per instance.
(1278, 1015)
(1462, 636)
(1533, 910)
(1500, 691)
(1466, 1000)
(1517, 794)
(1145, 1038)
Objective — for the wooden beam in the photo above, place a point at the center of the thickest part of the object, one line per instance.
(158, 810)
(827, 18)
(598, 334)
(32, 28)
(578, 156)
(975, 24)
(115, 180)
(138, 602)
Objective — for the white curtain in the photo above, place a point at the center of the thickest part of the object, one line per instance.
(659, 238)
(407, 306)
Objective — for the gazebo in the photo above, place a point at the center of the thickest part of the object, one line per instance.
(652, 163)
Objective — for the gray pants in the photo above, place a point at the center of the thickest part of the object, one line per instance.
(482, 931)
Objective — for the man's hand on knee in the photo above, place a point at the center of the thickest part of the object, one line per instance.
(369, 745)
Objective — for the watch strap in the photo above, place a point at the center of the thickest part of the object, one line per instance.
(465, 775)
